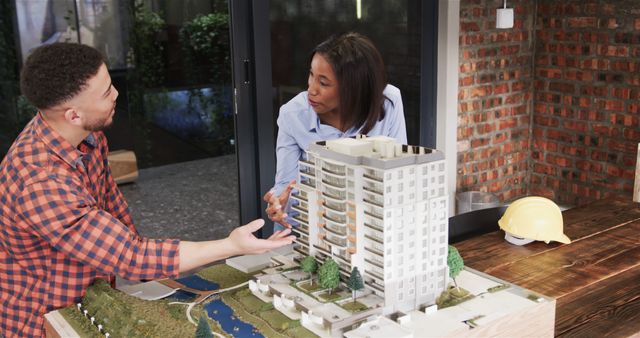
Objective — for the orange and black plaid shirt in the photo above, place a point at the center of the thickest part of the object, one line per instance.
(64, 223)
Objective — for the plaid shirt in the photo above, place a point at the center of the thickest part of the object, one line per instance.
(64, 223)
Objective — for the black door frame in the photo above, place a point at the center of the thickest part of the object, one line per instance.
(255, 142)
(252, 82)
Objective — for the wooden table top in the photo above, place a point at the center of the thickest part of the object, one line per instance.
(595, 278)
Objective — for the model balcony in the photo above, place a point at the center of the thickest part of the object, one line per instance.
(336, 231)
(308, 174)
(335, 207)
(373, 202)
(369, 177)
(302, 219)
(334, 184)
(308, 183)
(322, 249)
(335, 169)
(300, 209)
(375, 286)
(300, 196)
(373, 214)
(374, 227)
(374, 251)
(374, 274)
(376, 239)
(373, 190)
(374, 262)
(336, 219)
(306, 163)
(340, 242)
(337, 197)
(301, 250)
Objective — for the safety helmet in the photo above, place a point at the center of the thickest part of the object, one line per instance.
(531, 219)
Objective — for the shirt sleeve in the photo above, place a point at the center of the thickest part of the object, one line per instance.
(397, 126)
(115, 202)
(68, 219)
(288, 153)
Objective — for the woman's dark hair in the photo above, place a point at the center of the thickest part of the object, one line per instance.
(57, 72)
(361, 77)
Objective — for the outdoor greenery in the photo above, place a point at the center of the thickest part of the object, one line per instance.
(203, 330)
(354, 306)
(146, 53)
(355, 282)
(270, 322)
(455, 263)
(309, 265)
(125, 316)
(453, 296)
(205, 43)
(329, 275)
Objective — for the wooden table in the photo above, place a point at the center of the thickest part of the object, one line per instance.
(595, 279)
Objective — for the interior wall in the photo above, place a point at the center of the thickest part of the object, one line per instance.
(495, 99)
(550, 107)
(587, 99)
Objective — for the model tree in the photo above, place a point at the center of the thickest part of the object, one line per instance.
(310, 266)
(355, 282)
(203, 330)
(329, 275)
(455, 263)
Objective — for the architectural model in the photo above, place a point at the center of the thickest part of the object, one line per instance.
(364, 204)
(380, 206)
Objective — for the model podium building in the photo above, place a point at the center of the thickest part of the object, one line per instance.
(371, 203)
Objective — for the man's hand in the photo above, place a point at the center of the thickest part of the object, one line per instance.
(275, 205)
(240, 241)
(244, 242)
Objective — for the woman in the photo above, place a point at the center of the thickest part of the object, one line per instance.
(347, 95)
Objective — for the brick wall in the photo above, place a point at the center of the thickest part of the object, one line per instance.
(495, 99)
(587, 99)
(552, 106)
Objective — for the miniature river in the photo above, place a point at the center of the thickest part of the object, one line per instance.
(217, 310)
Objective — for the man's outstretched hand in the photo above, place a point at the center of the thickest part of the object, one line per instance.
(243, 242)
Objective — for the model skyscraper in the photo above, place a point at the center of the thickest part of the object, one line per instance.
(374, 204)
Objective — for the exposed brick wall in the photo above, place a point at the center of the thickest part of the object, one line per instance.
(587, 99)
(574, 81)
(495, 99)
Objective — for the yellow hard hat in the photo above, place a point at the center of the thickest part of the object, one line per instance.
(533, 219)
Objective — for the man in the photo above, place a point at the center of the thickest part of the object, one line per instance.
(63, 221)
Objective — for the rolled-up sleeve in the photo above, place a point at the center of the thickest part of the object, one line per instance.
(70, 222)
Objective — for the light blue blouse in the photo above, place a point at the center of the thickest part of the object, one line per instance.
(299, 126)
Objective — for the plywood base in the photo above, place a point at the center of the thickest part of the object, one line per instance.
(55, 326)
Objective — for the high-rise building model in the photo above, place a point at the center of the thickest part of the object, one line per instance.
(375, 204)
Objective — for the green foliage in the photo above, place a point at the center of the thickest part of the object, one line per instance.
(205, 42)
(355, 282)
(455, 262)
(309, 265)
(147, 52)
(203, 330)
(329, 275)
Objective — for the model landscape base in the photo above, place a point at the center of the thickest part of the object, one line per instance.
(496, 309)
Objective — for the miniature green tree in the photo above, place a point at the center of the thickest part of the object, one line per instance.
(203, 330)
(455, 263)
(355, 282)
(329, 275)
(310, 266)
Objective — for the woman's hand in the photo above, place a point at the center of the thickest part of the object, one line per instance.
(276, 204)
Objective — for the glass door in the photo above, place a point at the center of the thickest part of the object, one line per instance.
(272, 40)
(395, 27)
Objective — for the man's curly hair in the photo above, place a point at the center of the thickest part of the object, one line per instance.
(55, 73)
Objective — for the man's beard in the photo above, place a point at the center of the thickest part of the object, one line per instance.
(98, 125)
